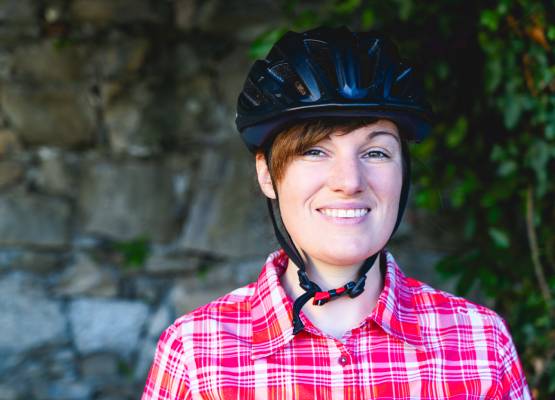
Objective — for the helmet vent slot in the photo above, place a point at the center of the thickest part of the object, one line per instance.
(322, 58)
(370, 63)
(253, 94)
(290, 78)
(401, 84)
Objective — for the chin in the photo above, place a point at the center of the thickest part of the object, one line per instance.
(341, 257)
(352, 251)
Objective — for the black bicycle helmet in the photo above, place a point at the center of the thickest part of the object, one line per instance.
(327, 73)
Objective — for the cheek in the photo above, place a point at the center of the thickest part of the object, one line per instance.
(387, 185)
(296, 191)
(300, 183)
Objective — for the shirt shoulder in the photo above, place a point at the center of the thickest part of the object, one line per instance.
(459, 326)
(184, 345)
(229, 314)
(443, 314)
(429, 299)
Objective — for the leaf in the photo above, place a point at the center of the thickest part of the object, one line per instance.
(368, 18)
(289, 7)
(538, 157)
(497, 153)
(442, 69)
(512, 110)
(457, 133)
(306, 20)
(551, 387)
(500, 238)
(427, 198)
(506, 168)
(135, 251)
(460, 192)
(466, 282)
(346, 6)
(424, 150)
(489, 19)
(494, 73)
(493, 215)
(262, 45)
(503, 7)
(405, 9)
(550, 130)
(489, 281)
(469, 228)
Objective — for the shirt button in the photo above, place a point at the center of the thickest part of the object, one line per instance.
(343, 360)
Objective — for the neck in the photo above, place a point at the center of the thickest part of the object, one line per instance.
(343, 313)
(329, 276)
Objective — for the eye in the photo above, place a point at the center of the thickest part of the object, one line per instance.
(313, 153)
(376, 154)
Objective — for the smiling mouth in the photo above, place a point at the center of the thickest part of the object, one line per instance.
(344, 212)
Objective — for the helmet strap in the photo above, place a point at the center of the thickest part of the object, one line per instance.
(287, 244)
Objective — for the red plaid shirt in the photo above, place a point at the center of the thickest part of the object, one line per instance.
(418, 343)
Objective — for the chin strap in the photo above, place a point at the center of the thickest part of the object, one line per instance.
(353, 289)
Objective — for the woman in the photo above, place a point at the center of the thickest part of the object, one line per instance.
(328, 115)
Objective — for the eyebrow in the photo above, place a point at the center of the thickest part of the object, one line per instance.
(373, 134)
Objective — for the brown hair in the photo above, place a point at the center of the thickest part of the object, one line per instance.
(300, 137)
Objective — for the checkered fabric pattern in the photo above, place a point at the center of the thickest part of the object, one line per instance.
(418, 343)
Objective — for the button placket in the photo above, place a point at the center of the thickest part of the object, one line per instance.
(344, 358)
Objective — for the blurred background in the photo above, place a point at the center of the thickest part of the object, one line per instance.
(127, 198)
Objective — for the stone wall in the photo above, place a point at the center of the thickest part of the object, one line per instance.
(126, 197)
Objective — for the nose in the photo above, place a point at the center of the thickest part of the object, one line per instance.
(346, 175)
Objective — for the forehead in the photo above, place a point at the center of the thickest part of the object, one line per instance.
(380, 129)
(385, 125)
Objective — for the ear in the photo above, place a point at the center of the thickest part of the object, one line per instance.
(264, 177)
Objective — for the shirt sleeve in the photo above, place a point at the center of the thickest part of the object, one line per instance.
(513, 380)
(168, 378)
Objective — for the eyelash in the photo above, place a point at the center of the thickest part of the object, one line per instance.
(309, 151)
(318, 152)
(381, 153)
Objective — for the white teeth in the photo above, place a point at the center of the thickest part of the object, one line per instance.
(344, 213)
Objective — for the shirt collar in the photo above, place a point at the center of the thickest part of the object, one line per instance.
(272, 310)
(395, 311)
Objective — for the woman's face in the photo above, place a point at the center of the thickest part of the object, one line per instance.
(339, 200)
